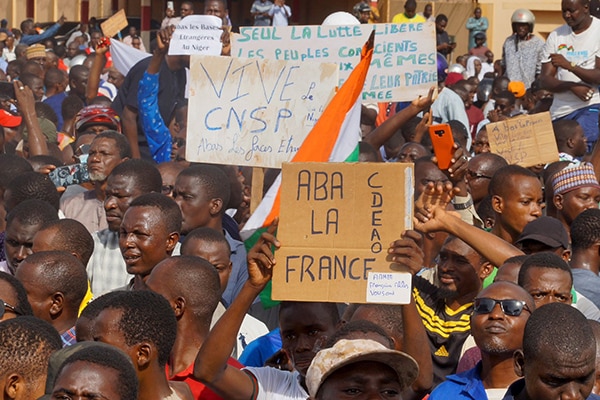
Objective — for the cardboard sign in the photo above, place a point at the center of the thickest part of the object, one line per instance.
(336, 223)
(197, 34)
(254, 112)
(404, 58)
(527, 140)
(114, 24)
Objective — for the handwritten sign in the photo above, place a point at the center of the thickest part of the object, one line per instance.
(114, 24)
(404, 57)
(254, 112)
(336, 223)
(527, 140)
(197, 34)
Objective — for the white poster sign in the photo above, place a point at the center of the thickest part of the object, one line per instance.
(254, 112)
(197, 34)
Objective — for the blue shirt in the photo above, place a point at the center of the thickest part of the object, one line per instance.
(259, 350)
(154, 127)
(466, 385)
(48, 33)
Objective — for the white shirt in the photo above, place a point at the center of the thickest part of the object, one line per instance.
(274, 384)
(582, 49)
(279, 15)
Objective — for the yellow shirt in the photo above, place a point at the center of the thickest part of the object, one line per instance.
(403, 19)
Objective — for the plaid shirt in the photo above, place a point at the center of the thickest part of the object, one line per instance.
(106, 268)
(68, 337)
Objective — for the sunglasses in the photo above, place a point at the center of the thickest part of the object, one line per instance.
(513, 308)
(8, 307)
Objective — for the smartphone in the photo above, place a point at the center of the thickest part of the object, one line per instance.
(67, 175)
(7, 90)
(443, 144)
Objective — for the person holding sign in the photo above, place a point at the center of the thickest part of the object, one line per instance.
(571, 68)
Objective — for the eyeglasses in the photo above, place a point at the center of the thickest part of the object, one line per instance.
(166, 189)
(475, 175)
(9, 307)
(513, 308)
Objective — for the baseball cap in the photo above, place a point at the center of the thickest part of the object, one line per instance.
(574, 177)
(546, 230)
(517, 88)
(9, 120)
(346, 352)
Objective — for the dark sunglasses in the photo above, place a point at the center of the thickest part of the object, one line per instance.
(513, 308)
(9, 307)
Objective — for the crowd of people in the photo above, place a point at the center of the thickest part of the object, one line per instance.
(123, 274)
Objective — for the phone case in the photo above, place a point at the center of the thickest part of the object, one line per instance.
(443, 144)
(73, 174)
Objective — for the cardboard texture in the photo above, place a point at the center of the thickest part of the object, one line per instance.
(254, 112)
(336, 223)
(114, 24)
(526, 140)
(404, 58)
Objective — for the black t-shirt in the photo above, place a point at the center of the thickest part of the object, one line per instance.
(446, 329)
(171, 87)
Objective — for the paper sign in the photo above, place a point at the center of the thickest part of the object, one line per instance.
(336, 223)
(197, 34)
(254, 112)
(527, 140)
(389, 287)
(404, 57)
(114, 24)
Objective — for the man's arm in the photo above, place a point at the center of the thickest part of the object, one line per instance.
(431, 216)
(591, 76)
(26, 106)
(387, 129)
(211, 366)
(129, 119)
(414, 335)
(93, 83)
(48, 33)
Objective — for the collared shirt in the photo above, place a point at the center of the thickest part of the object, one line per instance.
(87, 209)
(466, 385)
(157, 133)
(199, 390)
(106, 269)
(68, 337)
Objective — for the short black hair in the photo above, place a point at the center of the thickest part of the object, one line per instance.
(544, 259)
(71, 105)
(440, 18)
(585, 229)
(564, 129)
(170, 212)
(71, 236)
(31, 185)
(387, 316)
(43, 110)
(144, 174)
(331, 309)
(90, 312)
(27, 343)
(557, 329)
(212, 179)
(500, 181)
(359, 326)
(22, 306)
(60, 271)
(12, 166)
(506, 95)
(54, 76)
(32, 212)
(196, 280)
(146, 316)
(113, 358)
(44, 159)
(120, 140)
(205, 234)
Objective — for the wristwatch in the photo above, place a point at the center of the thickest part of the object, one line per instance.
(573, 65)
